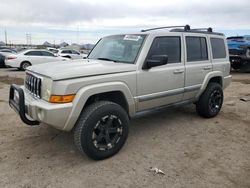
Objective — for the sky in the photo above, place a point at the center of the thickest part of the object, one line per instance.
(86, 21)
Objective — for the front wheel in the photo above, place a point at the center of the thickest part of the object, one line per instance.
(101, 130)
(210, 101)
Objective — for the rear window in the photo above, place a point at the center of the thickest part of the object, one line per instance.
(218, 48)
(196, 49)
(47, 54)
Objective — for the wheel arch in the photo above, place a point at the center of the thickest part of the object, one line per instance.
(215, 76)
(115, 92)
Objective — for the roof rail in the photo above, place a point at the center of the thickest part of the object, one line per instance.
(203, 29)
(185, 28)
(198, 30)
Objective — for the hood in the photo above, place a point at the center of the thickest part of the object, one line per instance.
(80, 68)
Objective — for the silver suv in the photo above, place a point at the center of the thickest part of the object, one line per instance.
(123, 75)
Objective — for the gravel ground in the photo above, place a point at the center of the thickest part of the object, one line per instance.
(192, 151)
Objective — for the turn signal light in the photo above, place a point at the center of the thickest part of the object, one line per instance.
(61, 98)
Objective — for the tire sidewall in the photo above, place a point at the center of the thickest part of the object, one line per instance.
(91, 121)
(212, 87)
(202, 106)
(23, 63)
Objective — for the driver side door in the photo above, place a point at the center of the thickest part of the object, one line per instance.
(162, 85)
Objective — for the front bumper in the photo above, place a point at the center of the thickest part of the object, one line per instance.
(18, 104)
(33, 111)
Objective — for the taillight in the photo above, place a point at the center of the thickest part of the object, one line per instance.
(10, 57)
(242, 46)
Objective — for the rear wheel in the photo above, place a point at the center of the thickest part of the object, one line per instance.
(248, 53)
(101, 130)
(211, 100)
(25, 65)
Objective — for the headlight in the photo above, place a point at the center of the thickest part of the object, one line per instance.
(46, 88)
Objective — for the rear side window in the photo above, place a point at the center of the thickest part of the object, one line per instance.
(170, 46)
(47, 54)
(34, 53)
(66, 52)
(196, 49)
(75, 52)
(218, 48)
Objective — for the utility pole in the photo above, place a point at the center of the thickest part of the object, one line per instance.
(78, 34)
(6, 39)
(28, 39)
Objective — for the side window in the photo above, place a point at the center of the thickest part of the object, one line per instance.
(47, 54)
(34, 53)
(75, 52)
(218, 48)
(170, 46)
(196, 49)
(66, 52)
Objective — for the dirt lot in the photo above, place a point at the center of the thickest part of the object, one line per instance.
(192, 151)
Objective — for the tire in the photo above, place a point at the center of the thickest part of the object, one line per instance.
(210, 101)
(24, 65)
(98, 120)
(248, 53)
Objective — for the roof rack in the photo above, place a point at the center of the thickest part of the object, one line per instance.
(186, 28)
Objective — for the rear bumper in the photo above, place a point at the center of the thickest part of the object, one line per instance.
(227, 80)
(33, 111)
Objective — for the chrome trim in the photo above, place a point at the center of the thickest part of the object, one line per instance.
(178, 91)
(160, 94)
(192, 88)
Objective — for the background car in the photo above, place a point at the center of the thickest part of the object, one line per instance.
(239, 50)
(2, 58)
(31, 57)
(72, 54)
(53, 50)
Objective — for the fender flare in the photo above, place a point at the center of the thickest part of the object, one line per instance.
(84, 93)
(206, 80)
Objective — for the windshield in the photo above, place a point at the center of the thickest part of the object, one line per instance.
(118, 48)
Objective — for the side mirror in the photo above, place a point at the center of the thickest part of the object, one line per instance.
(156, 60)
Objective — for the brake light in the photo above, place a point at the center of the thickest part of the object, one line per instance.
(10, 58)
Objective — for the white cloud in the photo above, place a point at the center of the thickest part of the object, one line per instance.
(96, 17)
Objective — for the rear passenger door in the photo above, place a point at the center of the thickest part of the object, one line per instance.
(48, 57)
(197, 63)
(34, 57)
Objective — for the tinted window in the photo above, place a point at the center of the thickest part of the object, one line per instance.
(66, 52)
(196, 49)
(34, 53)
(47, 54)
(75, 52)
(170, 46)
(218, 48)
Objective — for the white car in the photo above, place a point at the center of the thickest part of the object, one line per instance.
(72, 54)
(27, 58)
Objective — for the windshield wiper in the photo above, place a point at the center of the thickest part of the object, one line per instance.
(106, 59)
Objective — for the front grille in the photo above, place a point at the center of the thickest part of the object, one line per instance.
(33, 85)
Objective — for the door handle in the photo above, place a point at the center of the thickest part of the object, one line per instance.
(207, 68)
(178, 71)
